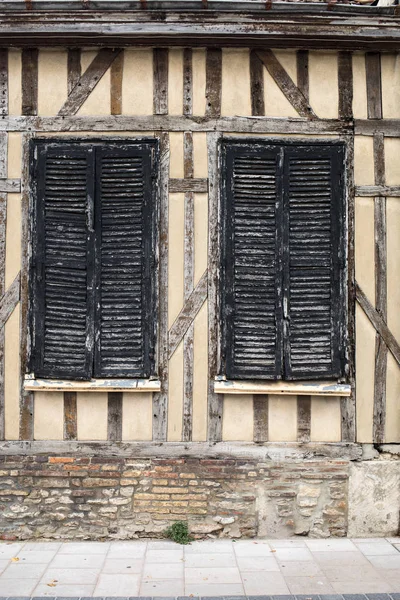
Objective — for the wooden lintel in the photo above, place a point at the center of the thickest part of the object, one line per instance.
(188, 185)
(271, 451)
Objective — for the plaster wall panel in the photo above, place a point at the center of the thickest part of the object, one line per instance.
(92, 415)
(390, 69)
(98, 102)
(392, 424)
(52, 81)
(323, 73)
(200, 375)
(13, 238)
(14, 82)
(11, 376)
(199, 81)
(175, 256)
(49, 416)
(176, 155)
(14, 155)
(359, 87)
(200, 155)
(137, 82)
(175, 395)
(175, 82)
(238, 418)
(137, 417)
(325, 419)
(393, 265)
(200, 235)
(363, 160)
(365, 367)
(364, 246)
(235, 82)
(392, 153)
(282, 418)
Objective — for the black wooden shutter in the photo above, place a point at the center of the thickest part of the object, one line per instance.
(63, 262)
(124, 230)
(313, 261)
(251, 307)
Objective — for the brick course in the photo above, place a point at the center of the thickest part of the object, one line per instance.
(70, 497)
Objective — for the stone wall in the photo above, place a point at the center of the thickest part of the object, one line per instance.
(93, 498)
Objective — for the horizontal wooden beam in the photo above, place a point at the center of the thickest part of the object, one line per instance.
(301, 388)
(188, 185)
(10, 300)
(180, 123)
(269, 451)
(10, 186)
(389, 127)
(374, 191)
(187, 315)
(95, 385)
(379, 324)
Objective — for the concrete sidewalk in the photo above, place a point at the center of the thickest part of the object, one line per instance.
(209, 568)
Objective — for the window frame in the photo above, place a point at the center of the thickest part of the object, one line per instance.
(345, 243)
(153, 239)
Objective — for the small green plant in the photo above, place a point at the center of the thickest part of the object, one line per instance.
(179, 532)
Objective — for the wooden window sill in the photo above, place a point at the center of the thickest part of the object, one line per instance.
(303, 388)
(94, 385)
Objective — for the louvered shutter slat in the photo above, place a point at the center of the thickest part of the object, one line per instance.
(124, 201)
(313, 209)
(251, 303)
(62, 273)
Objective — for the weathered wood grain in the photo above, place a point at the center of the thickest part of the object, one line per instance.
(257, 85)
(187, 315)
(187, 81)
(160, 399)
(114, 418)
(215, 401)
(303, 418)
(286, 84)
(9, 300)
(213, 82)
(303, 82)
(3, 82)
(345, 81)
(188, 339)
(74, 68)
(290, 388)
(116, 73)
(379, 324)
(29, 81)
(381, 351)
(374, 85)
(88, 81)
(26, 397)
(260, 410)
(70, 416)
(188, 185)
(10, 186)
(390, 127)
(3, 224)
(348, 405)
(160, 79)
(371, 191)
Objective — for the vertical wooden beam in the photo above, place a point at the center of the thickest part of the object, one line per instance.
(374, 85)
(257, 85)
(74, 68)
(187, 81)
(160, 399)
(3, 223)
(114, 420)
(260, 410)
(345, 77)
(116, 73)
(26, 398)
(3, 82)
(348, 405)
(30, 81)
(160, 78)
(215, 401)
(303, 418)
(70, 416)
(302, 73)
(188, 164)
(213, 82)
